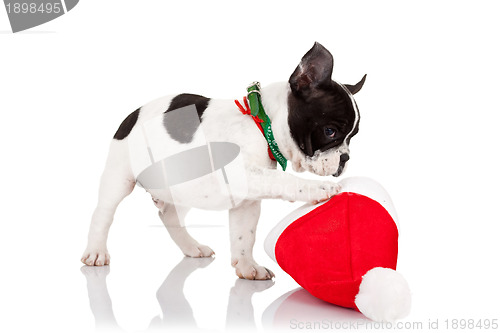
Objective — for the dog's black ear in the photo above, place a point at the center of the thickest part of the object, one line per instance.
(314, 72)
(357, 87)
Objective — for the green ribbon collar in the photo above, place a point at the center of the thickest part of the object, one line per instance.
(257, 110)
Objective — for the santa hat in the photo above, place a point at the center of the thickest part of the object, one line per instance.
(344, 251)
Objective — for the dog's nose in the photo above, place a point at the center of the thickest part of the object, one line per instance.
(344, 158)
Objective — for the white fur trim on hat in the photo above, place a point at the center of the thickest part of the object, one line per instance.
(383, 295)
(274, 234)
(361, 185)
(371, 189)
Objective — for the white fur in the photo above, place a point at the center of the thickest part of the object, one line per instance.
(222, 122)
(383, 295)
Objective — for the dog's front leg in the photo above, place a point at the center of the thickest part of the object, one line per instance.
(276, 184)
(242, 227)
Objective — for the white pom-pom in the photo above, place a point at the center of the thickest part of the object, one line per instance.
(383, 295)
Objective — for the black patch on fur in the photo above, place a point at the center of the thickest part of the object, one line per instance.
(127, 125)
(176, 126)
(321, 113)
(309, 118)
(356, 128)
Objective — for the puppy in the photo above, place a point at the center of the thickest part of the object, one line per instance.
(313, 119)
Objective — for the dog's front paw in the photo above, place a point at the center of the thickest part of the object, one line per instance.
(250, 270)
(96, 256)
(318, 191)
(95, 273)
(197, 251)
(326, 191)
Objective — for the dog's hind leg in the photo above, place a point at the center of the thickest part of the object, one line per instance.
(117, 182)
(173, 218)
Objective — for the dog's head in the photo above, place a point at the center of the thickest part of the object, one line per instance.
(322, 114)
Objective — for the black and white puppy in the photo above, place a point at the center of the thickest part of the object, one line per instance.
(313, 120)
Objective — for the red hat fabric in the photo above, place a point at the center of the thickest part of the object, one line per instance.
(344, 251)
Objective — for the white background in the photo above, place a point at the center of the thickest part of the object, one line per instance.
(428, 133)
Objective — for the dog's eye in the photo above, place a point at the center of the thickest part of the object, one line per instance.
(329, 132)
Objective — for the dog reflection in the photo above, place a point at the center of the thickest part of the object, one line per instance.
(100, 302)
(176, 310)
(240, 312)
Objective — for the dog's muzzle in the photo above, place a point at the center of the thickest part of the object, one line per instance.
(343, 160)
